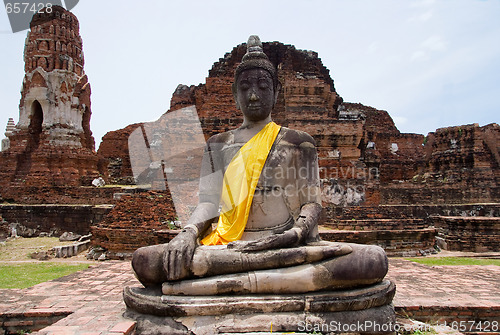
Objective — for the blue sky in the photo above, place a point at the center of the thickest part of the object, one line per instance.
(430, 64)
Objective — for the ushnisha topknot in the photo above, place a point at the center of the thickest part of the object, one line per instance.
(256, 58)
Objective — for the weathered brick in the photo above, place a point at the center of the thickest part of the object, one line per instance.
(18, 323)
(125, 327)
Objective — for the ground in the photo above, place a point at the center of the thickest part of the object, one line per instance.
(19, 249)
(91, 300)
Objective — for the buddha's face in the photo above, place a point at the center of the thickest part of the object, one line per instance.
(254, 94)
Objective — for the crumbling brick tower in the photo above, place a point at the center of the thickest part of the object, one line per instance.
(52, 144)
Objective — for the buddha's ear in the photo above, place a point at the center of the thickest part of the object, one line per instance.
(235, 95)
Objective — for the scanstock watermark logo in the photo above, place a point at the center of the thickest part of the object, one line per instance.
(21, 12)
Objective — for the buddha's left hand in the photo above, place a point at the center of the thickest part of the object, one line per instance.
(297, 235)
(286, 239)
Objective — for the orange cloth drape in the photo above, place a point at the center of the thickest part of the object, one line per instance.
(240, 179)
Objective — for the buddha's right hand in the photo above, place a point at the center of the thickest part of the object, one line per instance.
(178, 255)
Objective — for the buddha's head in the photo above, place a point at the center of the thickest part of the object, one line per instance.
(255, 58)
(256, 84)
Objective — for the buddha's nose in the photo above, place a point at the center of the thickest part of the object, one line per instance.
(253, 96)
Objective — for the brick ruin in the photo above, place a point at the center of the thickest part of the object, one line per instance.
(52, 144)
(138, 219)
(363, 156)
(375, 179)
(366, 163)
(48, 159)
(114, 150)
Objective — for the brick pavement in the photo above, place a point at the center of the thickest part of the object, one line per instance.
(90, 301)
(461, 296)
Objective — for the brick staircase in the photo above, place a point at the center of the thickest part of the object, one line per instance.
(399, 237)
(412, 230)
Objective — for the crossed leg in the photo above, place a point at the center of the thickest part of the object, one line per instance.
(365, 265)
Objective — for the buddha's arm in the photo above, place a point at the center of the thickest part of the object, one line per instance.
(179, 252)
(202, 217)
(297, 235)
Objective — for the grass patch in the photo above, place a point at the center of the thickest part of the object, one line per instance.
(28, 274)
(19, 249)
(432, 261)
(419, 332)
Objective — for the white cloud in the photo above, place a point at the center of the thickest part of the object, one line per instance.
(373, 47)
(419, 56)
(424, 17)
(434, 43)
(422, 3)
(399, 120)
(400, 60)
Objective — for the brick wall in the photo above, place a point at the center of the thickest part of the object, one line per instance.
(476, 234)
(396, 242)
(31, 321)
(474, 320)
(137, 220)
(56, 219)
(59, 194)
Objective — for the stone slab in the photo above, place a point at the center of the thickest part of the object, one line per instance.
(365, 310)
(377, 320)
(150, 301)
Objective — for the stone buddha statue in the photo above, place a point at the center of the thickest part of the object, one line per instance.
(260, 184)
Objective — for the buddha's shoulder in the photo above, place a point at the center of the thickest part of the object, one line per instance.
(221, 138)
(297, 137)
(289, 136)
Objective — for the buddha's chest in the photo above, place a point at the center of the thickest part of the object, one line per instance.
(279, 169)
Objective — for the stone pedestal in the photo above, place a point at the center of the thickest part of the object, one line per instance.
(366, 310)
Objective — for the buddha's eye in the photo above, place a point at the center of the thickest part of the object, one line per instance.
(244, 85)
(263, 84)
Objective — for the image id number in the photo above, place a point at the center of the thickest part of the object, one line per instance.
(482, 326)
(25, 7)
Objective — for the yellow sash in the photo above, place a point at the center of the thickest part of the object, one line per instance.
(238, 187)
